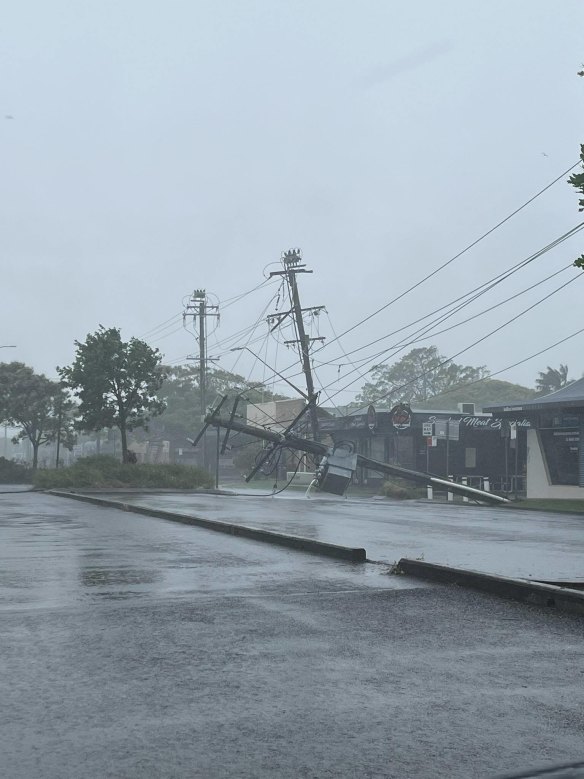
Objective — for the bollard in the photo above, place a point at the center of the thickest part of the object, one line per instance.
(450, 495)
(429, 492)
(486, 485)
(464, 480)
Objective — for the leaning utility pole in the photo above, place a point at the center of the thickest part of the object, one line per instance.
(292, 266)
(198, 306)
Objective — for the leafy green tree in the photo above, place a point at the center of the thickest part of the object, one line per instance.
(35, 404)
(116, 382)
(418, 376)
(552, 379)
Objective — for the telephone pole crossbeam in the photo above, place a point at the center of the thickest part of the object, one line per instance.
(319, 338)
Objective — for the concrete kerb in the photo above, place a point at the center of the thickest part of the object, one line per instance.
(524, 590)
(347, 553)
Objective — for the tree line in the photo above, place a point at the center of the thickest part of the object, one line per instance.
(113, 383)
(110, 384)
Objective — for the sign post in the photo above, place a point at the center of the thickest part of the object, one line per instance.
(427, 432)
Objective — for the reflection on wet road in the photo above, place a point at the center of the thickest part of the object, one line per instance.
(525, 544)
(135, 648)
(59, 551)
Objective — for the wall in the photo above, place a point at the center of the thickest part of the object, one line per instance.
(538, 482)
(275, 414)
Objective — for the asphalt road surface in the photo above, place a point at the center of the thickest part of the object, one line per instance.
(527, 544)
(134, 647)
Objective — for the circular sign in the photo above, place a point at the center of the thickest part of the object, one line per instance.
(401, 416)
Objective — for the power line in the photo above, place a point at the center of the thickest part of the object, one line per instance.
(162, 337)
(233, 338)
(498, 305)
(462, 301)
(462, 351)
(253, 329)
(236, 298)
(430, 332)
(513, 365)
(460, 253)
(486, 286)
(224, 304)
(162, 326)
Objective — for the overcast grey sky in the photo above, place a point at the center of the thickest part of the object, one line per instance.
(158, 147)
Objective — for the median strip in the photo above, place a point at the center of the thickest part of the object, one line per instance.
(524, 590)
(348, 553)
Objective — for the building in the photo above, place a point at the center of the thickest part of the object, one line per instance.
(555, 455)
(275, 414)
(486, 451)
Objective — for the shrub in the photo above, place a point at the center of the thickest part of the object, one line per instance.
(398, 489)
(14, 473)
(105, 471)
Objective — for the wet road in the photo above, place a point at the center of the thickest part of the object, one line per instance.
(526, 544)
(134, 647)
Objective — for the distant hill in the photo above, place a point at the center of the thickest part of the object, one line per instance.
(484, 393)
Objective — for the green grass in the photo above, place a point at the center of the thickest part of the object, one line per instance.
(567, 506)
(104, 471)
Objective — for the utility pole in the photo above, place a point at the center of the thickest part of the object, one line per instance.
(199, 306)
(60, 422)
(292, 261)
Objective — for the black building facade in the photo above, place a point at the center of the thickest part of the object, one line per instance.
(479, 448)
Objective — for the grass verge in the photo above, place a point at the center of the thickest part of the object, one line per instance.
(548, 504)
(104, 471)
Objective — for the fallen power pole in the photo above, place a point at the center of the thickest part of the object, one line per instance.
(337, 466)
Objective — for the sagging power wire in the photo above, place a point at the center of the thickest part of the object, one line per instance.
(462, 351)
(460, 253)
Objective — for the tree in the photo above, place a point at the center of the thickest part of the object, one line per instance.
(577, 181)
(35, 404)
(419, 375)
(116, 383)
(552, 379)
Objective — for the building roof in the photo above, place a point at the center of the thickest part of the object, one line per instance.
(568, 397)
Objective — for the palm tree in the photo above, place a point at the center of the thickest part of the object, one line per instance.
(552, 379)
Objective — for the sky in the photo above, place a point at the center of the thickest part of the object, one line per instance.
(149, 148)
